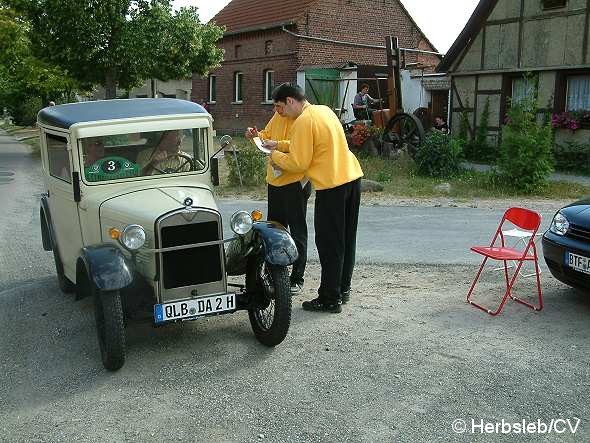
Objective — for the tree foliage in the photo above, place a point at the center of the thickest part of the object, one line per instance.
(122, 42)
(26, 82)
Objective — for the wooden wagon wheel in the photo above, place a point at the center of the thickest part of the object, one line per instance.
(405, 131)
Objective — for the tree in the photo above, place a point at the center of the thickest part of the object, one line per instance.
(26, 82)
(122, 42)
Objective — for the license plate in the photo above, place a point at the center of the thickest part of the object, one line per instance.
(195, 307)
(577, 262)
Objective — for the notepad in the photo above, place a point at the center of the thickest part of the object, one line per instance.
(258, 144)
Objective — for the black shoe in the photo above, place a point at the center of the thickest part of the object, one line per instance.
(345, 297)
(316, 305)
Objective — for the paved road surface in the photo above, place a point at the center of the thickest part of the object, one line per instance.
(403, 362)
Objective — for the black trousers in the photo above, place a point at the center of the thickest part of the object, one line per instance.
(336, 220)
(288, 206)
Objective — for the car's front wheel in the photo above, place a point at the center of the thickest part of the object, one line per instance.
(270, 301)
(110, 326)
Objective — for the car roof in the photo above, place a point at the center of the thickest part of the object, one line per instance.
(64, 116)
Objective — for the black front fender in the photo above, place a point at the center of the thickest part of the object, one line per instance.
(107, 267)
(279, 247)
(271, 237)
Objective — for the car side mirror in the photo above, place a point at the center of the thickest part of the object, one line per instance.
(214, 162)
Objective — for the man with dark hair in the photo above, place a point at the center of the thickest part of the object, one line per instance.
(288, 192)
(318, 149)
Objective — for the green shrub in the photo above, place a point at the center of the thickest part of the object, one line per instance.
(479, 149)
(572, 156)
(25, 112)
(252, 166)
(525, 158)
(439, 156)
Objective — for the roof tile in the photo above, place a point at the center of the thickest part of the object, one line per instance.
(248, 14)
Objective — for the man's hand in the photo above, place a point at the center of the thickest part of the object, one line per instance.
(251, 133)
(159, 156)
(270, 144)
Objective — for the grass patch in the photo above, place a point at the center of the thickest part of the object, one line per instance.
(400, 179)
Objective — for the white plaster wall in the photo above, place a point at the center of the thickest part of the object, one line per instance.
(414, 95)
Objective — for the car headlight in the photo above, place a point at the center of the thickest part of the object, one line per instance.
(559, 225)
(241, 222)
(132, 237)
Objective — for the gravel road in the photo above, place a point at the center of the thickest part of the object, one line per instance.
(406, 361)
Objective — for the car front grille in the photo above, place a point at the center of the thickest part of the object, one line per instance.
(578, 232)
(194, 266)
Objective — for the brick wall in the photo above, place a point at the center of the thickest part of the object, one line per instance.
(360, 21)
(252, 62)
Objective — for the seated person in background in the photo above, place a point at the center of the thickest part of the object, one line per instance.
(440, 125)
(93, 150)
(362, 100)
(165, 156)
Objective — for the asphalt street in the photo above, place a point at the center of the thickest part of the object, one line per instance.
(407, 360)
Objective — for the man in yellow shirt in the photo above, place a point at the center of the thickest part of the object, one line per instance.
(318, 149)
(288, 193)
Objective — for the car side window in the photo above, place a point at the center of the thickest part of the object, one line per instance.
(58, 157)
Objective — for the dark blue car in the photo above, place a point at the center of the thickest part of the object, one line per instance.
(566, 245)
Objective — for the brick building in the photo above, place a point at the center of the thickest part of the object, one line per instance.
(268, 42)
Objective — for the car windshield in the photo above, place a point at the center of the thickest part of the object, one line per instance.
(140, 154)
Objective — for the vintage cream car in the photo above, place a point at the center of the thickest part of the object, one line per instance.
(132, 221)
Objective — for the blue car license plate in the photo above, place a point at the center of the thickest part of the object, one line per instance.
(194, 308)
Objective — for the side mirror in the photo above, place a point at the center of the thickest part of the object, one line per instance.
(214, 162)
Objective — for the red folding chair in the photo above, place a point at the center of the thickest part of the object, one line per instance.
(523, 219)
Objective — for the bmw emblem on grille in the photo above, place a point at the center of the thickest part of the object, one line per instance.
(188, 201)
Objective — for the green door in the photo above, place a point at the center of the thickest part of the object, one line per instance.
(322, 85)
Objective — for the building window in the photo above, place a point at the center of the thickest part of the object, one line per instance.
(522, 89)
(578, 93)
(212, 88)
(267, 47)
(269, 85)
(238, 91)
(554, 4)
(237, 51)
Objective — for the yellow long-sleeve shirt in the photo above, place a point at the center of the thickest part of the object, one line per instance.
(278, 129)
(319, 150)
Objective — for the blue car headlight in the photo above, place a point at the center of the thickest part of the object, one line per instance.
(559, 225)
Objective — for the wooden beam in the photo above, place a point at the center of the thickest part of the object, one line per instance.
(516, 70)
(490, 91)
(586, 29)
(475, 102)
(520, 34)
(556, 14)
(504, 21)
(483, 46)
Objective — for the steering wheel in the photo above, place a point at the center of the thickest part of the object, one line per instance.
(182, 159)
